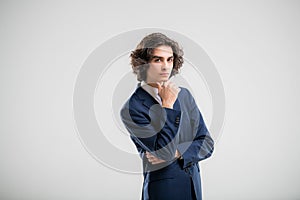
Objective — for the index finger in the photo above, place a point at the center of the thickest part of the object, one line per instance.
(166, 83)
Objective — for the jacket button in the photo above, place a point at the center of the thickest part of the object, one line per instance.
(177, 120)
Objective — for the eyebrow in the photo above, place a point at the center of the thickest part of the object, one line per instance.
(161, 57)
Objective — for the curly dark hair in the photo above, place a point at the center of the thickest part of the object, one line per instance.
(143, 54)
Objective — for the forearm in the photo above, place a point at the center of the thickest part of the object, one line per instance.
(195, 151)
(157, 135)
(201, 146)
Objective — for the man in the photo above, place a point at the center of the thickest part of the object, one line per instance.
(165, 123)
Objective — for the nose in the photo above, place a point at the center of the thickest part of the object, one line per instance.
(165, 65)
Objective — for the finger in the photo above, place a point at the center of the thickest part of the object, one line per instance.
(167, 83)
(148, 155)
(173, 85)
(156, 85)
(157, 161)
(153, 161)
(159, 86)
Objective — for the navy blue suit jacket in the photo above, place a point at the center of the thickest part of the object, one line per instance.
(162, 131)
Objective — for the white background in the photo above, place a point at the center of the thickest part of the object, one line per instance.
(254, 44)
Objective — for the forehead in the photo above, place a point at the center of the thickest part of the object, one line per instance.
(163, 51)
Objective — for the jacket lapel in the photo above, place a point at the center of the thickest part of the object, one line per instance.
(144, 96)
(149, 101)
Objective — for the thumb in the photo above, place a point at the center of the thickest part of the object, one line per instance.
(159, 87)
(156, 85)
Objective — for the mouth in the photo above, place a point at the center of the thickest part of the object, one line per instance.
(164, 74)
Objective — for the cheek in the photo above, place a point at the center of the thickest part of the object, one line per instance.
(154, 68)
(150, 71)
(155, 65)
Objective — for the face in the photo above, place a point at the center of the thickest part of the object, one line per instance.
(161, 65)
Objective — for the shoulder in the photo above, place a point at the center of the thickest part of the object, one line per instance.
(134, 100)
(185, 93)
(186, 98)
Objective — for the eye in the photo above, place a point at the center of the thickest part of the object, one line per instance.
(156, 60)
(170, 60)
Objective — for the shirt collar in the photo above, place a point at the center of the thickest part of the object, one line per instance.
(153, 91)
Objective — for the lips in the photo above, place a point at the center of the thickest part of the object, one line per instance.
(164, 74)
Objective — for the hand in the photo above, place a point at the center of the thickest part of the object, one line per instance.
(168, 92)
(154, 160)
(177, 154)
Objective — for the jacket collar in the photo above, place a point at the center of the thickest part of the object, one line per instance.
(148, 100)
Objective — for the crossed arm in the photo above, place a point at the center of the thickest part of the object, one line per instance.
(159, 144)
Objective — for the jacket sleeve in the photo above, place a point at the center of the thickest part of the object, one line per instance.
(202, 145)
(152, 130)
